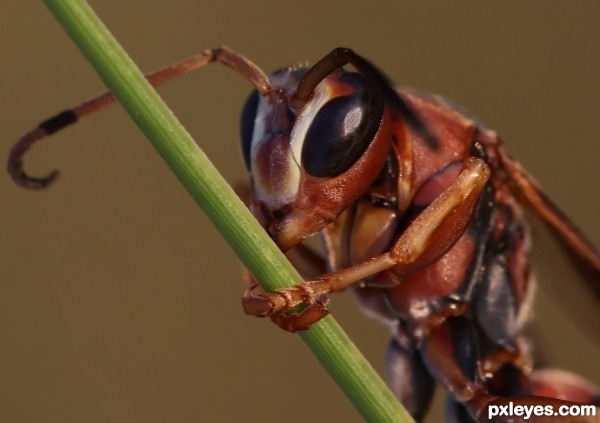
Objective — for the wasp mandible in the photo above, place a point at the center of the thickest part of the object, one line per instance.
(418, 208)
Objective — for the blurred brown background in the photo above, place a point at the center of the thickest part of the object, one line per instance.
(118, 300)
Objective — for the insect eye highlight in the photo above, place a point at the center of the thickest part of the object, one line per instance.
(342, 130)
(247, 125)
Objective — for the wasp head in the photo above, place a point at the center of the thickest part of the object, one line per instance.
(310, 160)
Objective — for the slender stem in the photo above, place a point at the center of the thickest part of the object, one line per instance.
(353, 374)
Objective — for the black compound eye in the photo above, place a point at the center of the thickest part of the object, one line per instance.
(342, 130)
(247, 125)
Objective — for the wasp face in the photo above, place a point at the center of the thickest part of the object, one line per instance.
(309, 164)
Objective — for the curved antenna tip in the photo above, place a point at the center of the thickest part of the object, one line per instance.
(28, 182)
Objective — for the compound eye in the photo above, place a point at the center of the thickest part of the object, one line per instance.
(247, 125)
(342, 130)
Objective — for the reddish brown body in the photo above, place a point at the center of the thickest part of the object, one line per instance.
(426, 228)
(418, 207)
(489, 289)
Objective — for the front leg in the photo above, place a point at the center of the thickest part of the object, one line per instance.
(310, 265)
(425, 240)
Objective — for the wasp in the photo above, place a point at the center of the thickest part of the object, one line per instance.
(420, 212)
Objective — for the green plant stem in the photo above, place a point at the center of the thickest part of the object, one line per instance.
(353, 374)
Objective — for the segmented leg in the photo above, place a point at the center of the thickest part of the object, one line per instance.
(309, 264)
(426, 239)
(451, 354)
(409, 379)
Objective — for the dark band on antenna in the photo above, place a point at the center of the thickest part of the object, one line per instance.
(58, 122)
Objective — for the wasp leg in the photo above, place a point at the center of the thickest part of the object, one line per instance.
(256, 302)
(303, 319)
(253, 302)
(451, 353)
(428, 237)
(409, 379)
